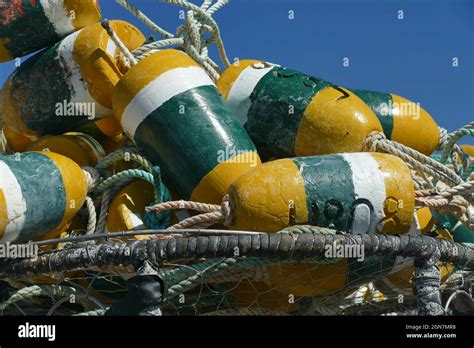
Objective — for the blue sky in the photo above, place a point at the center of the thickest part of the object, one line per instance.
(411, 57)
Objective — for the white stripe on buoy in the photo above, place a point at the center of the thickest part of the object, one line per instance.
(160, 90)
(80, 94)
(369, 184)
(55, 11)
(16, 204)
(238, 98)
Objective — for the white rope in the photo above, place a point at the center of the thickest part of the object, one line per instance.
(190, 36)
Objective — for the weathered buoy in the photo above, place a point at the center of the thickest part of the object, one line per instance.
(81, 148)
(354, 192)
(287, 113)
(29, 25)
(83, 68)
(402, 120)
(39, 192)
(172, 110)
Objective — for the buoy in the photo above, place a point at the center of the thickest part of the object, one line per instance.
(172, 110)
(354, 192)
(29, 25)
(39, 192)
(468, 149)
(402, 120)
(287, 113)
(126, 212)
(83, 68)
(81, 148)
(107, 131)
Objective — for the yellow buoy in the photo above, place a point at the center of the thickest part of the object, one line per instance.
(81, 148)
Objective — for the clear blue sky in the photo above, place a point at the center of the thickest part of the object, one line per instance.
(410, 57)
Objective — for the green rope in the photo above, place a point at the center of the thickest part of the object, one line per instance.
(129, 173)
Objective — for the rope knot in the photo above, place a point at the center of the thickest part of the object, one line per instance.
(372, 141)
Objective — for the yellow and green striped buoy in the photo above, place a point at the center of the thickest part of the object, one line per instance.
(353, 192)
(172, 110)
(403, 121)
(29, 25)
(83, 68)
(287, 113)
(39, 192)
(81, 148)
(357, 192)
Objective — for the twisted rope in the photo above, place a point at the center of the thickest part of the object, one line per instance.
(377, 141)
(454, 137)
(107, 198)
(126, 154)
(130, 59)
(212, 213)
(144, 19)
(129, 173)
(190, 36)
(453, 200)
(92, 216)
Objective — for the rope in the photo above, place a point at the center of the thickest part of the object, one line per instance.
(92, 216)
(124, 154)
(454, 137)
(443, 138)
(190, 36)
(377, 141)
(453, 200)
(130, 59)
(129, 173)
(94, 313)
(38, 290)
(92, 177)
(144, 19)
(107, 198)
(212, 214)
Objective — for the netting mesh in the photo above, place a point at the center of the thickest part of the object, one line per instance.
(238, 286)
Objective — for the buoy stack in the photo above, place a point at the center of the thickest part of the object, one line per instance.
(275, 146)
